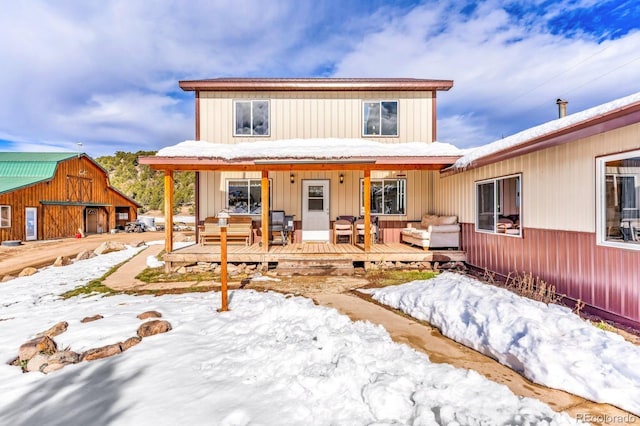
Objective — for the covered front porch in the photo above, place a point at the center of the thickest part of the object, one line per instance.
(315, 181)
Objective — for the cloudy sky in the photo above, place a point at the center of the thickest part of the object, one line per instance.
(106, 73)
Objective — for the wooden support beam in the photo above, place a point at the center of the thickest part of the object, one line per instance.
(168, 211)
(224, 305)
(367, 211)
(265, 210)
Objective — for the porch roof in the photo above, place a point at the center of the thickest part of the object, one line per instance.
(599, 119)
(304, 154)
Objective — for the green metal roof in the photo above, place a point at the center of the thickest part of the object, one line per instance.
(20, 169)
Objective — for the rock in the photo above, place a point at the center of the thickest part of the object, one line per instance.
(149, 314)
(181, 270)
(64, 358)
(108, 247)
(26, 272)
(129, 343)
(62, 261)
(51, 367)
(136, 244)
(151, 328)
(103, 352)
(34, 346)
(84, 254)
(91, 319)
(7, 278)
(38, 362)
(57, 329)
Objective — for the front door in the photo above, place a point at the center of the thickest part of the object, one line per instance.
(31, 223)
(315, 210)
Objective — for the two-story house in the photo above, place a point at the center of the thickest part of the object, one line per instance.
(316, 148)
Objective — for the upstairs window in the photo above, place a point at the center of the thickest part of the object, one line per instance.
(498, 206)
(380, 118)
(5, 216)
(388, 196)
(618, 197)
(252, 118)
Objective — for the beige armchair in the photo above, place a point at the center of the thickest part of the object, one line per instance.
(342, 228)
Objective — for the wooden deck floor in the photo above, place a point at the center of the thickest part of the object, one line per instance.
(391, 252)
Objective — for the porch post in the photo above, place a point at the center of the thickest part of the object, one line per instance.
(265, 210)
(168, 211)
(367, 210)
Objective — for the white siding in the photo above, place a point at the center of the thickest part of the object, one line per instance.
(315, 115)
(558, 183)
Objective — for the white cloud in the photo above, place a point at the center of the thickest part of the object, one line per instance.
(107, 72)
(501, 70)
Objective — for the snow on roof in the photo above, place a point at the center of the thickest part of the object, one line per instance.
(543, 129)
(319, 149)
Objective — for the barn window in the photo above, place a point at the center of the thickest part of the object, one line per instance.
(618, 197)
(251, 118)
(498, 206)
(5, 216)
(380, 118)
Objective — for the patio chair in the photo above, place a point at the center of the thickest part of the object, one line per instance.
(342, 229)
(359, 229)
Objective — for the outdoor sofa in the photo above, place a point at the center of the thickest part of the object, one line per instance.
(433, 231)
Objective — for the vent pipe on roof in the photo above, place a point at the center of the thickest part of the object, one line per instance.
(562, 107)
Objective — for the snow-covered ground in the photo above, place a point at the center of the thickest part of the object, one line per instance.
(546, 343)
(271, 360)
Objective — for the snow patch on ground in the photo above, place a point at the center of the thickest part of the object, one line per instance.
(548, 344)
(271, 360)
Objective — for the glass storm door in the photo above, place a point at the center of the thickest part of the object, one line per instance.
(31, 223)
(315, 210)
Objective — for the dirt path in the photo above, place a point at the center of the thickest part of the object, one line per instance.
(42, 253)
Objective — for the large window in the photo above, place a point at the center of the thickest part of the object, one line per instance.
(252, 118)
(380, 118)
(388, 196)
(5, 216)
(618, 195)
(498, 205)
(244, 196)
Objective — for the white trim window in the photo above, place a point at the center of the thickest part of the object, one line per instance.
(244, 196)
(388, 196)
(498, 205)
(5, 216)
(251, 118)
(618, 198)
(380, 118)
